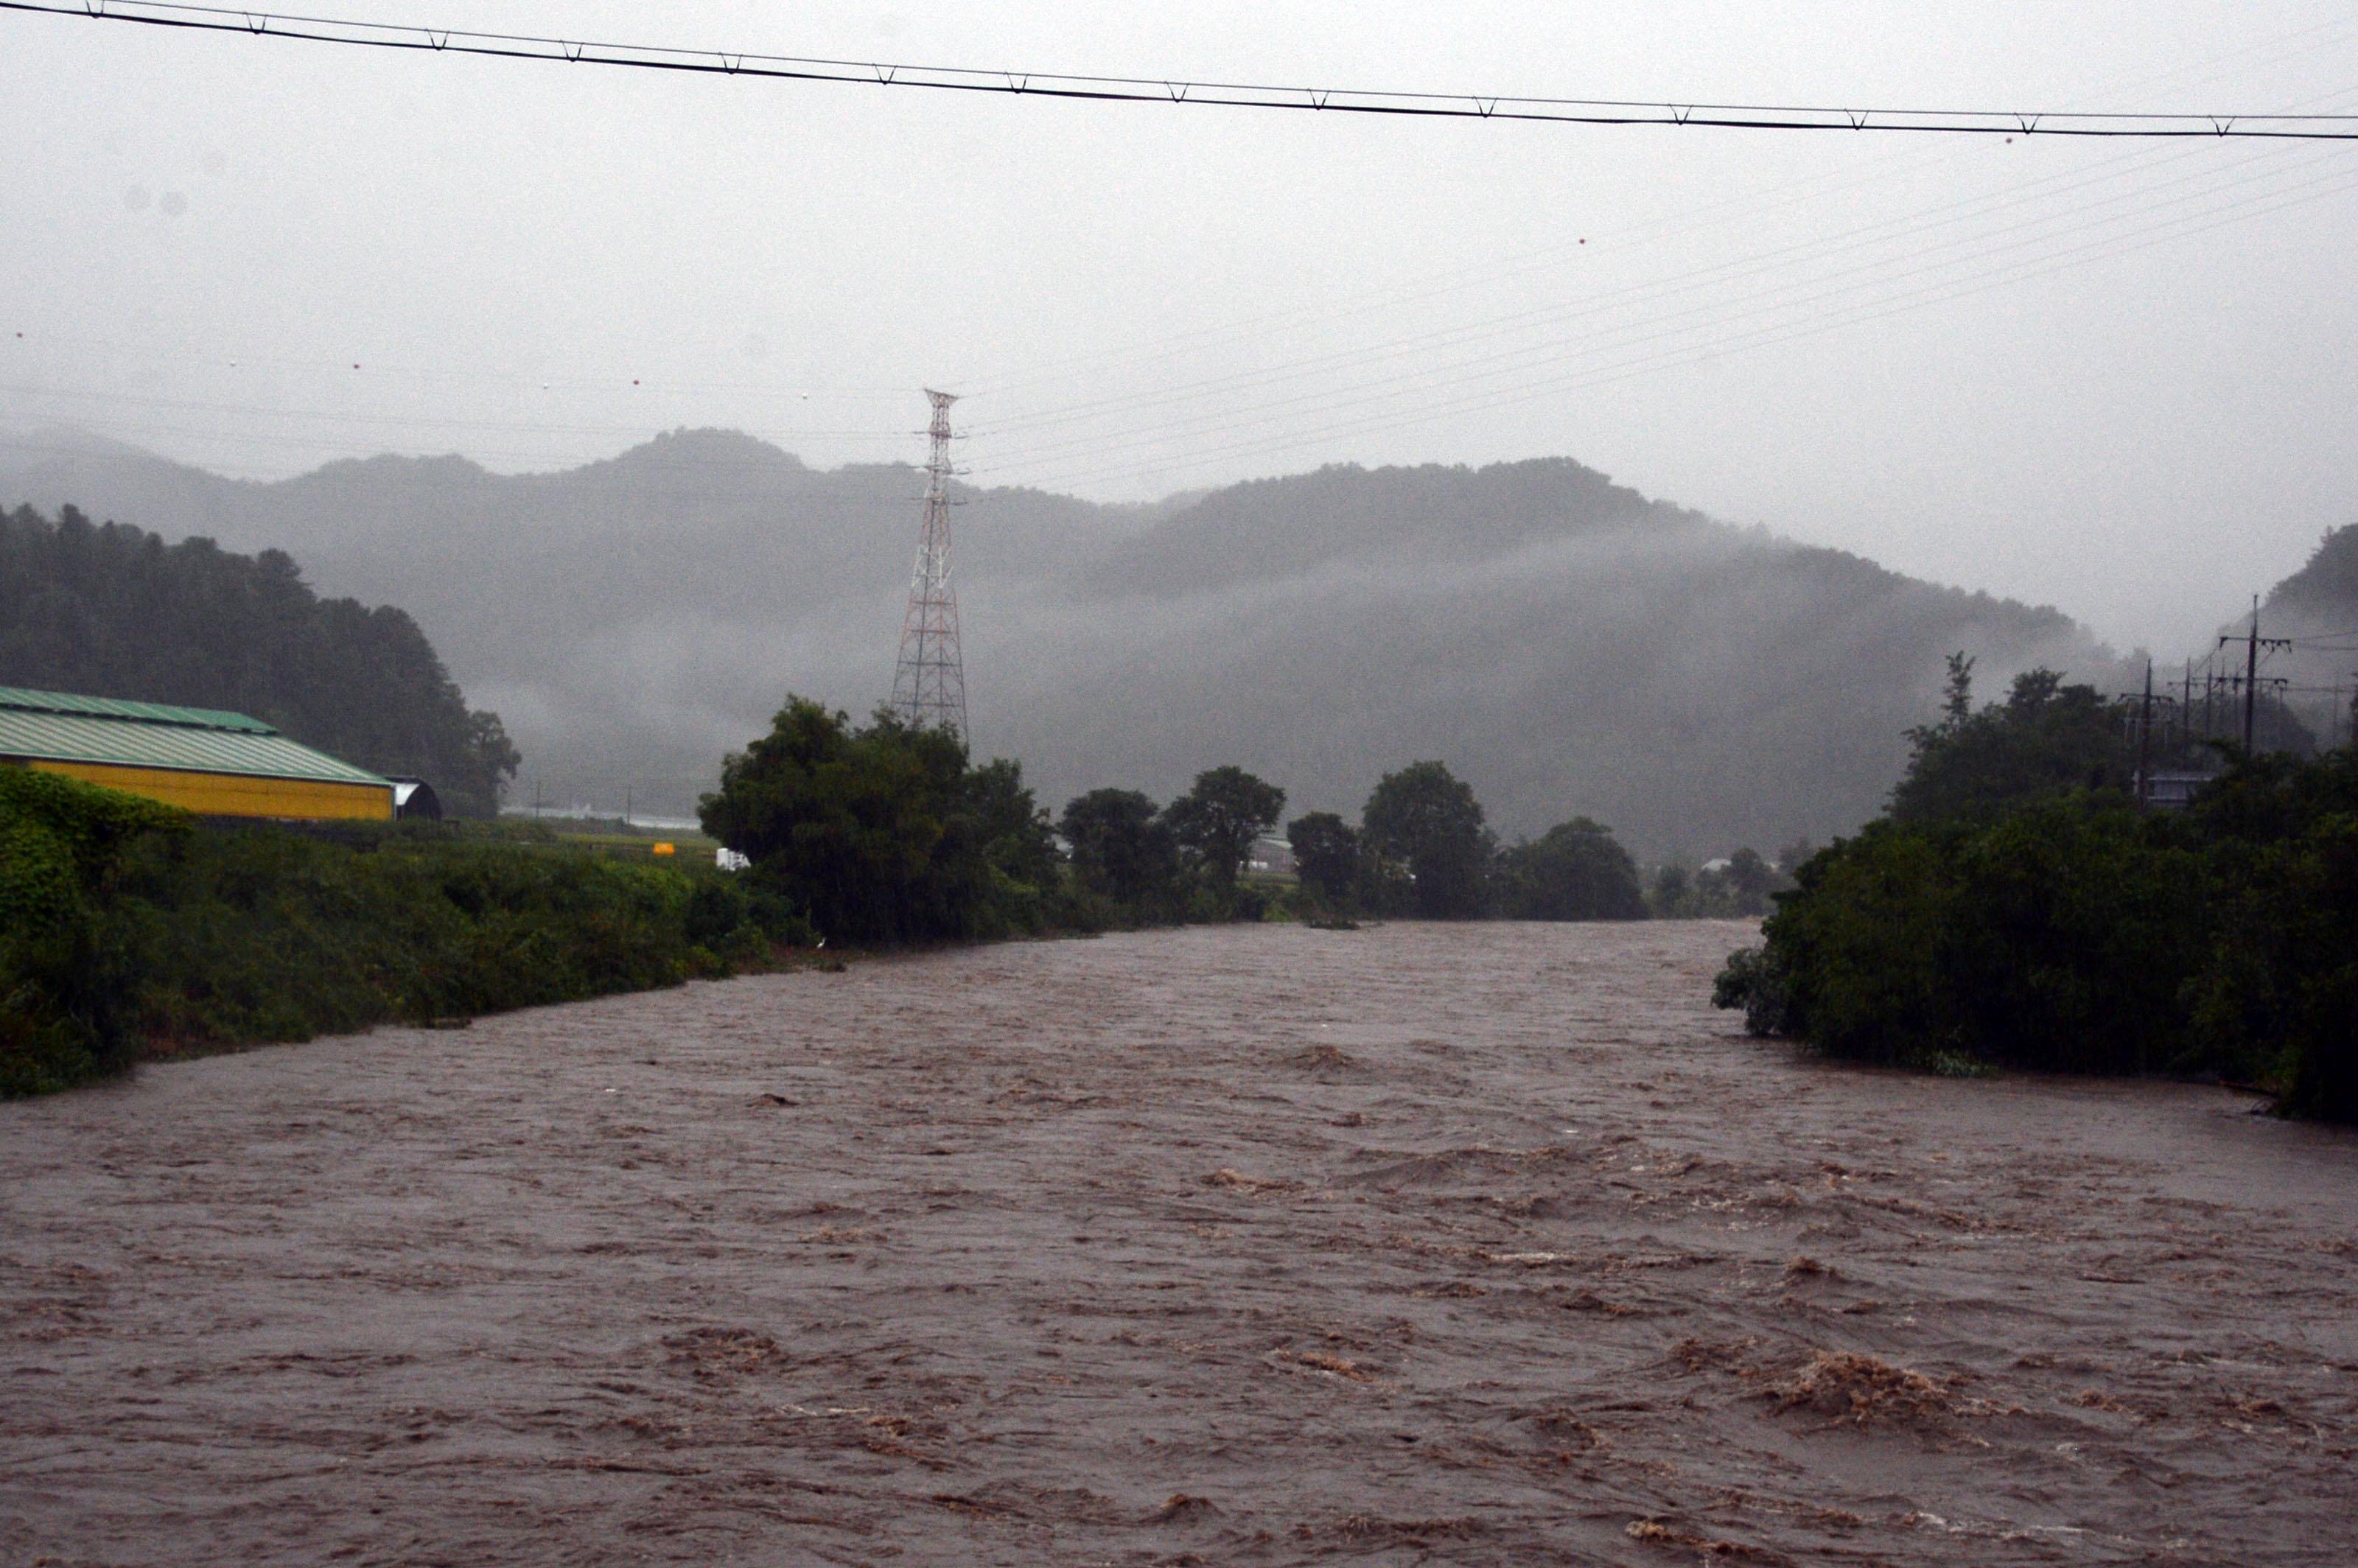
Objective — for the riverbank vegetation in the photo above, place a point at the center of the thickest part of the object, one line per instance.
(2015, 908)
(1424, 848)
(888, 833)
(134, 930)
(128, 929)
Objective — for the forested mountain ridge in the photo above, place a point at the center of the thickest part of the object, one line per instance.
(111, 611)
(2318, 608)
(1569, 645)
(1350, 515)
(2326, 587)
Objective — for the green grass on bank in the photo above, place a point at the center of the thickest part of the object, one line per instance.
(128, 930)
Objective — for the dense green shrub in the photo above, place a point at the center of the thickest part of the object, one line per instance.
(1425, 849)
(885, 833)
(2073, 926)
(2282, 983)
(62, 969)
(1575, 870)
(262, 933)
(1124, 852)
(2075, 934)
(1217, 821)
(1754, 980)
(120, 927)
(1326, 856)
(1855, 948)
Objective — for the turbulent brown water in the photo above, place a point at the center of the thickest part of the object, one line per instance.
(1487, 1244)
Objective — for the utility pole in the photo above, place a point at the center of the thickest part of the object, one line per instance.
(929, 682)
(2252, 643)
(2186, 714)
(2145, 743)
(2251, 674)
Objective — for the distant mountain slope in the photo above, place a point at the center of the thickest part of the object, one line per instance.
(111, 611)
(2325, 589)
(2318, 606)
(1567, 643)
(1278, 528)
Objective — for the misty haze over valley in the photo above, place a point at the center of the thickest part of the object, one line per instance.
(1571, 646)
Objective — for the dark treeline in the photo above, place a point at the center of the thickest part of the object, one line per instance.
(1424, 848)
(885, 833)
(889, 833)
(2014, 906)
(108, 610)
(1741, 886)
(2048, 738)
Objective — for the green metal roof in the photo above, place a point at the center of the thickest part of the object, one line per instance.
(118, 707)
(52, 726)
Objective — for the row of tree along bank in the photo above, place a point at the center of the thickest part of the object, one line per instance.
(888, 833)
(1421, 848)
(127, 928)
(2015, 907)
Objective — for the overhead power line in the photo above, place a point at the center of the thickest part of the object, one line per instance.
(1199, 94)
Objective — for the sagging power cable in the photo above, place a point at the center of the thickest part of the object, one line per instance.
(1197, 94)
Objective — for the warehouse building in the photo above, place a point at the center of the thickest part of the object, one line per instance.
(210, 762)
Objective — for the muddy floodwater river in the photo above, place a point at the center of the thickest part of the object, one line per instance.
(1416, 1244)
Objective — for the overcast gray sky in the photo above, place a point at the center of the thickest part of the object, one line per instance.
(2110, 375)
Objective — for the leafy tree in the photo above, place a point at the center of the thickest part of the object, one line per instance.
(495, 760)
(1740, 886)
(1576, 871)
(1957, 692)
(1743, 887)
(1016, 833)
(2046, 739)
(882, 833)
(1219, 818)
(1121, 847)
(2056, 937)
(108, 610)
(1325, 854)
(1426, 818)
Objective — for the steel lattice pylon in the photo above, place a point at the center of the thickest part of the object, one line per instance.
(929, 682)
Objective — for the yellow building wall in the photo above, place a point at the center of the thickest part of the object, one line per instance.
(238, 795)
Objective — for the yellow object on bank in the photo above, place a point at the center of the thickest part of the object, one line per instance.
(663, 848)
(237, 795)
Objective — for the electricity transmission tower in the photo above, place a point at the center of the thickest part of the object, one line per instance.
(929, 682)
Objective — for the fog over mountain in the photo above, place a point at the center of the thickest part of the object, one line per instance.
(1568, 645)
(2316, 607)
